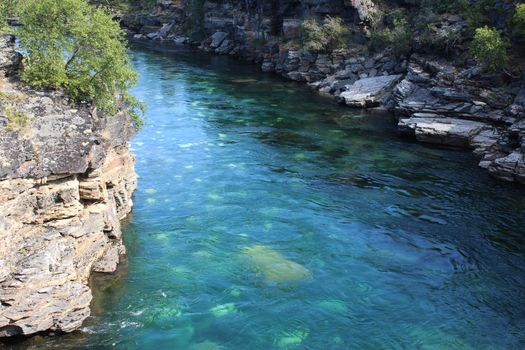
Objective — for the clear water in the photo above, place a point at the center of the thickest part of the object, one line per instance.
(270, 218)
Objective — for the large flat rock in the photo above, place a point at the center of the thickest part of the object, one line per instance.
(369, 92)
(444, 131)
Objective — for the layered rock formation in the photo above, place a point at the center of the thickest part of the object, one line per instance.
(440, 103)
(437, 100)
(66, 180)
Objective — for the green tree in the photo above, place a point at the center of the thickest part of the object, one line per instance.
(70, 44)
(489, 48)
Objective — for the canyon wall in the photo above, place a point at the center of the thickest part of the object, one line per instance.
(66, 180)
(437, 95)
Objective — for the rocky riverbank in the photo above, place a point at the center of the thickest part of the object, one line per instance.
(66, 180)
(438, 100)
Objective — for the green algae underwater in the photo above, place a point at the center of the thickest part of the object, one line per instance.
(270, 218)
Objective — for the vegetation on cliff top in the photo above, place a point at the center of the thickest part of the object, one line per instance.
(71, 45)
(127, 6)
(494, 29)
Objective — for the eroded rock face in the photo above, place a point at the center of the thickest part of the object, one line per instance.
(66, 180)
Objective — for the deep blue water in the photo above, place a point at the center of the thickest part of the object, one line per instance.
(270, 218)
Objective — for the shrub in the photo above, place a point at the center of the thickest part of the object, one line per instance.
(7, 9)
(441, 39)
(489, 48)
(518, 23)
(325, 37)
(127, 6)
(72, 45)
(397, 38)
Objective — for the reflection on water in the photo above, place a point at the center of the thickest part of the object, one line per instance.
(269, 218)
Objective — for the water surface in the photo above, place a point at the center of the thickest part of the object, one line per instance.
(270, 218)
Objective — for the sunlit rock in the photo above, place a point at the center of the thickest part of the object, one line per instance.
(206, 345)
(335, 306)
(274, 266)
(223, 310)
(293, 338)
(235, 292)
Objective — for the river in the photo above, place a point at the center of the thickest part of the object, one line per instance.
(268, 217)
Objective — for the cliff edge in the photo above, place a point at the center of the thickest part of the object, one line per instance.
(66, 180)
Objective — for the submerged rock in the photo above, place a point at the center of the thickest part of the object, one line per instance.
(274, 266)
(293, 338)
(223, 310)
(206, 345)
(335, 306)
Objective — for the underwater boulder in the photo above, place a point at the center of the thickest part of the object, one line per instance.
(275, 266)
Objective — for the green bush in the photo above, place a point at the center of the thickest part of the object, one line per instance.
(72, 45)
(518, 23)
(398, 38)
(489, 48)
(330, 35)
(127, 6)
(7, 9)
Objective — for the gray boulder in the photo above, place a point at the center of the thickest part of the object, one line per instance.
(217, 39)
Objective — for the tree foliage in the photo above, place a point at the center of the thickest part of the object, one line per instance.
(127, 6)
(397, 37)
(329, 35)
(489, 48)
(7, 9)
(518, 23)
(72, 45)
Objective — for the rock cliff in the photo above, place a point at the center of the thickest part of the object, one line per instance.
(437, 99)
(66, 180)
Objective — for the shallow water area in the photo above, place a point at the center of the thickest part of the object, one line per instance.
(268, 217)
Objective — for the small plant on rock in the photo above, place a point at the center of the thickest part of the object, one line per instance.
(7, 9)
(325, 37)
(397, 37)
(15, 119)
(489, 48)
(517, 23)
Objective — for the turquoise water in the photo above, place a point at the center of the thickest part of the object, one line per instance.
(269, 218)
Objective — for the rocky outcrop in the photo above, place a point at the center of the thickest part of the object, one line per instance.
(441, 103)
(66, 180)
